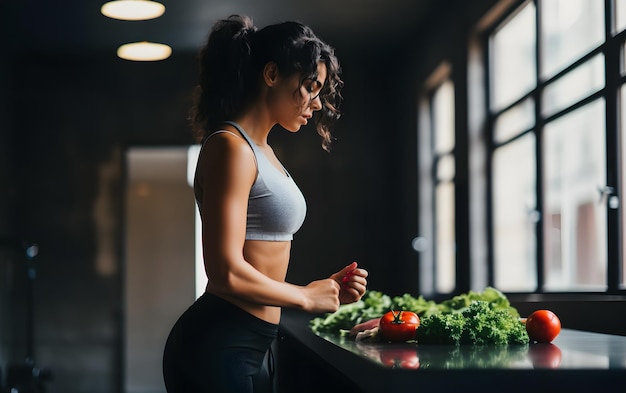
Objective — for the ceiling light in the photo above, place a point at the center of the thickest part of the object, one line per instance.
(144, 51)
(133, 9)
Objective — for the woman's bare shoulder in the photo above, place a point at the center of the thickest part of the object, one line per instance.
(227, 153)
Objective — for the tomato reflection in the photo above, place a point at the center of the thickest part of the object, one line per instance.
(396, 357)
(545, 355)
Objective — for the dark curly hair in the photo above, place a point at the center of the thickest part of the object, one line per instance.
(236, 53)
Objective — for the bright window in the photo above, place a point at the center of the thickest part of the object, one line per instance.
(552, 165)
(437, 244)
(515, 215)
(538, 159)
(443, 136)
(574, 217)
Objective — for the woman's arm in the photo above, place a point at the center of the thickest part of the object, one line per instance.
(226, 173)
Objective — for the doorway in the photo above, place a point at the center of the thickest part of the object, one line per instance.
(159, 271)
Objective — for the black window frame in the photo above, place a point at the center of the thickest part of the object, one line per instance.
(611, 49)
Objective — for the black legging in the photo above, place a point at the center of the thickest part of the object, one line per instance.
(218, 347)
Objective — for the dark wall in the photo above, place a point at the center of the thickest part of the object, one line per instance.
(354, 193)
(70, 117)
(12, 316)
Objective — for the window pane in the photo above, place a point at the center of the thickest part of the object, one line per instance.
(623, 174)
(620, 15)
(515, 215)
(570, 28)
(445, 248)
(513, 58)
(445, 168)
(519, 118)
(443, 118)
(574, 86)
(575, 220)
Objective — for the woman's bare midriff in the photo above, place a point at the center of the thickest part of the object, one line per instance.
(272, 259)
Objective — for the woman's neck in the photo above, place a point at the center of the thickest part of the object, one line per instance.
(257, 126)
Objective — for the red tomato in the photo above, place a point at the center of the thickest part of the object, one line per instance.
(398, 326)
(543, 326)
(400, 358)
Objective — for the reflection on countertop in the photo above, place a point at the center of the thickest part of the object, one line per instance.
(570, 350)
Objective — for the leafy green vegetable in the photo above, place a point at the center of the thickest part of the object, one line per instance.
(420, 306)
(496, 300)
(442, 328)
(478, 324)
(372, 305)
(478, 318)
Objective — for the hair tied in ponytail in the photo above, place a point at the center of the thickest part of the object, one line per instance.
(244, 36)
(248, 32)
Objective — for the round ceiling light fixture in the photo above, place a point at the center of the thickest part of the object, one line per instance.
(144, 51)
(132, 9)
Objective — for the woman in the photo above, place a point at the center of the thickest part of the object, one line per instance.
(251, 80)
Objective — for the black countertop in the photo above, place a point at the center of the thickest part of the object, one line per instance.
(575, 361)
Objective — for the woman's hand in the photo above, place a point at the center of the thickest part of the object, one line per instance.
(322, 296)
(352, 281)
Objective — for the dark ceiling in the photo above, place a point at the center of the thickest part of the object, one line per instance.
(78, 25)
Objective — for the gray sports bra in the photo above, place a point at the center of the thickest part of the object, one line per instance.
(276, 206)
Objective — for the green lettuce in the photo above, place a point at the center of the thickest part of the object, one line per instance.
(477, 318)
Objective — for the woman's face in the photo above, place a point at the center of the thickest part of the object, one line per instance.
(293, 102)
